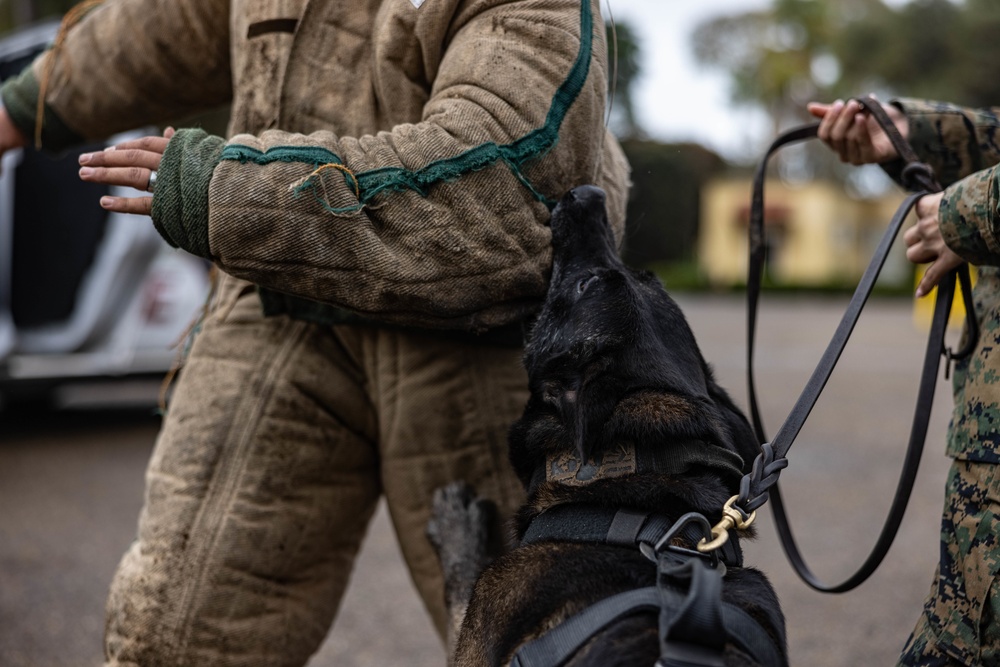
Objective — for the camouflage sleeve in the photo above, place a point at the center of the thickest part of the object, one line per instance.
(969, 219)
(955, 141)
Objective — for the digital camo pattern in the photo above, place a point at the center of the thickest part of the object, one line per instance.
(954, 141)
(958, 625)
(964, 144)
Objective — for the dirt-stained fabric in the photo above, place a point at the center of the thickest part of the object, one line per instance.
(282, 437)
(392, 160)
(446, 132)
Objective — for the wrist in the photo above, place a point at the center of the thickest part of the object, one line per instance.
(10, 136)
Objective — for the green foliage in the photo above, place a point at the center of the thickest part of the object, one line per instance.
(664, 206)
(801, 50)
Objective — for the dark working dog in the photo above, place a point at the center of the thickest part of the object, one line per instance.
(624, 424)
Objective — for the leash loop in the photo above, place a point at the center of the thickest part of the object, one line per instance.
(755, 487)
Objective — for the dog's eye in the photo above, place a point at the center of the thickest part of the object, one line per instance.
(584, 283)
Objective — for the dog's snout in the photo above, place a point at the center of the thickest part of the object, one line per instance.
(588, 194)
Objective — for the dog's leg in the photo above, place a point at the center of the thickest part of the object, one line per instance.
(460, 529)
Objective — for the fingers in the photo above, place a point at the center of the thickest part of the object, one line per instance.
(135, 205)
(925, 244)
(843, 127)
(936, 271)
(128, 164)
(130, 177)
(818, 110)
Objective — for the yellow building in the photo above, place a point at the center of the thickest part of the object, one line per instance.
(816, 235)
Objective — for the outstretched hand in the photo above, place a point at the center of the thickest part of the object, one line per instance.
(855, 136)
(130, 164)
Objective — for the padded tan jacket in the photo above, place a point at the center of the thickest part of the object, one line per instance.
(396, 160)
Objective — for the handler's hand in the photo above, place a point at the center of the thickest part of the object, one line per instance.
(129, 164)
(924, 243)
(10, 136)
(853, 134)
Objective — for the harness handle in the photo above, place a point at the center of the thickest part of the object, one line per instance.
(755, 487)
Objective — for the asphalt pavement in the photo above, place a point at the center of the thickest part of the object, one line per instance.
(71, 490)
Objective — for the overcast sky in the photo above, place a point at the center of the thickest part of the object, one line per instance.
(676, 99)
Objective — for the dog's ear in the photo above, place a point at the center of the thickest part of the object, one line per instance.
(738, 433)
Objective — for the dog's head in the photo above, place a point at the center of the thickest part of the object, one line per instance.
(611, 357)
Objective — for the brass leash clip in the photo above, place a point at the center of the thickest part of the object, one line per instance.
(731, 518)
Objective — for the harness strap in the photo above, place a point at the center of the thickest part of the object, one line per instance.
(692, 632)
(627, 528)
(557, 646)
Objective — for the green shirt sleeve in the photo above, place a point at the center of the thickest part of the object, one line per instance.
(20, 98)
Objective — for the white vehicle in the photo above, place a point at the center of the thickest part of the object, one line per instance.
(85, 294)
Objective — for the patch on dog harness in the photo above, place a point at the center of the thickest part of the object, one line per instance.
(570, 470)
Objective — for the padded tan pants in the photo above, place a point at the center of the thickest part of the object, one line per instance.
(279, 441)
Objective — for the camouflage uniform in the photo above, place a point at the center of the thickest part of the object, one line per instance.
(959, 624)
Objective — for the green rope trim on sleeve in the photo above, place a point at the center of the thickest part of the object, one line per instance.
(515, 155)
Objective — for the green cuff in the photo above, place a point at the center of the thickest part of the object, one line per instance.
(20, 98)
(180, 204)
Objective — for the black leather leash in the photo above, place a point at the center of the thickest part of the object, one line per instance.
(755, 487)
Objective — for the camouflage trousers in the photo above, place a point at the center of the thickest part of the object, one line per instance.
(960, 623)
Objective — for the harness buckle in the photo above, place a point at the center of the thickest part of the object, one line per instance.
(663, 546)
(732, 517)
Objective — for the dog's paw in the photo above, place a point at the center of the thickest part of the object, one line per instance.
(460, 529)
(459, 518)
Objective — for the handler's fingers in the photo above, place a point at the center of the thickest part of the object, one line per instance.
(858, 141)
(936, 271)
(129, 157)
(829, 118)
(845, 120)
(131, 177)
(817, 109)
(135, 205)
(156, 144)
(169, 133)
(921, 253)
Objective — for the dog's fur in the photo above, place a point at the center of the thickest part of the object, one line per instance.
(610, 360)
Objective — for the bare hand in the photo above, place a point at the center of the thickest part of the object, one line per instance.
(10, 135)
(854, 135)
(924, 243)
(128, 164)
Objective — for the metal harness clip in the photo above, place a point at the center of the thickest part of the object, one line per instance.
(732, 517)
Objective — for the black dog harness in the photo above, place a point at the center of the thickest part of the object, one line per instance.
(695, 624)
